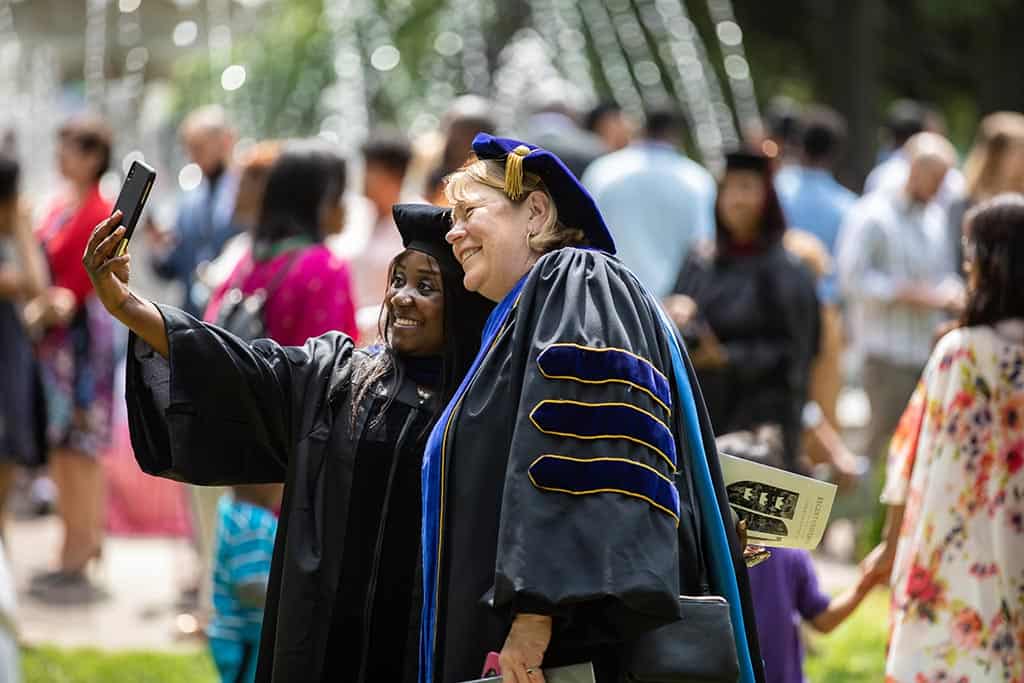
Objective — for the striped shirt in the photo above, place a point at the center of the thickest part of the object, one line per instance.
(244, 545)
(886, 243)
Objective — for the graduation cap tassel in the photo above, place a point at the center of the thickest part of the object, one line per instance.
(514, 172)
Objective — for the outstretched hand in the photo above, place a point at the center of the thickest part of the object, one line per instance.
(108, 271)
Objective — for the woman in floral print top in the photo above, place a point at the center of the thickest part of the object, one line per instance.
(954, 542)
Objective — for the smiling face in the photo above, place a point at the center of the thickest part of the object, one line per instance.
(415, 304)
(489, 235)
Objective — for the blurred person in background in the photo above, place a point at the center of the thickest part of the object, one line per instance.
(369, 240)
(904, 120)
(253, 168)
(442, 151)
(23, 277)
(748, 310)
(467, 116)
(608, 122)
(813, 201)
(657, 202)
(777, 133)
(953, 550)
(554, 125)
(896, 272)
(76, 357)
(307, 288)
(205, 215)
(826, 453)
(246, 528)
(994, 165)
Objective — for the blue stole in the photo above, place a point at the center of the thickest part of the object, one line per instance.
(723, 573)
(433, 464)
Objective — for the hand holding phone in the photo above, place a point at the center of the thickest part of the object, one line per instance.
(132, 199)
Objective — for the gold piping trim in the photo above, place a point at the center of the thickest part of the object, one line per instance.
(632, 494)
(607, 381)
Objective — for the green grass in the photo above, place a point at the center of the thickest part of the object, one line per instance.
(853, 653)
(53, 665)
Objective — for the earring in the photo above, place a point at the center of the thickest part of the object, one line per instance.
(530, 236)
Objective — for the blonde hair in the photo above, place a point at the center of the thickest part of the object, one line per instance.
(491, 173)
(997, 134)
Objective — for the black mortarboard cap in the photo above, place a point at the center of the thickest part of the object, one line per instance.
(576, 208)
(745, 159)
(423, 228)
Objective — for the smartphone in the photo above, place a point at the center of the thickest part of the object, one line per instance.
(131, 200)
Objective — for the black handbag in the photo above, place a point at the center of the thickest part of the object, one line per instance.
(700, 647)
(242, 315)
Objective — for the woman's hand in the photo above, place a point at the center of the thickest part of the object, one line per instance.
(109, 273)
(709, 352)
(54, 307)
(681, 309)
(523, 652)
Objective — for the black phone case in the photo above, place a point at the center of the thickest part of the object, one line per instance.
(133, 196)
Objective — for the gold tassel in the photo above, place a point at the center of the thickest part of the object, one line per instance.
(514, 172)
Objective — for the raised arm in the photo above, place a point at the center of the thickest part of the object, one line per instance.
(110, 274)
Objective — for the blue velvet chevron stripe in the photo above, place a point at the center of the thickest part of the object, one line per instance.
(592, 365)
(580, 420)
(582, 476)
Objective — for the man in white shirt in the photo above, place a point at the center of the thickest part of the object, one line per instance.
(895, 270)
(657, 202)
(906, 118)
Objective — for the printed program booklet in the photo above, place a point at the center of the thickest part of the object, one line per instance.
(781, 509)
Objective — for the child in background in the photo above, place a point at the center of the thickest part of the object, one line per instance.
(246, 525)
(785, 592)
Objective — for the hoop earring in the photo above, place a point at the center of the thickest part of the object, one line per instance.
(530, 236)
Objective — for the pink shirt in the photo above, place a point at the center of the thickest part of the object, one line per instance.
(314, 297)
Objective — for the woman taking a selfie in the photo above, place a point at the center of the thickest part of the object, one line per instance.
(343, 428)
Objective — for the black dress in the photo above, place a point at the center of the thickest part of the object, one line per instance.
(764, 310)
(343, 599)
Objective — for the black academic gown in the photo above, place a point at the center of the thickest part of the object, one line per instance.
(764, 310)
(223, 411)
(605, 564)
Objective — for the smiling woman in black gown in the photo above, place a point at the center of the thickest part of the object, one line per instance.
(343, 428)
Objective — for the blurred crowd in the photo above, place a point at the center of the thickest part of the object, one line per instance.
(787, 286)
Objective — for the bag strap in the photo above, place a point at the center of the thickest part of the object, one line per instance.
(279, 276)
